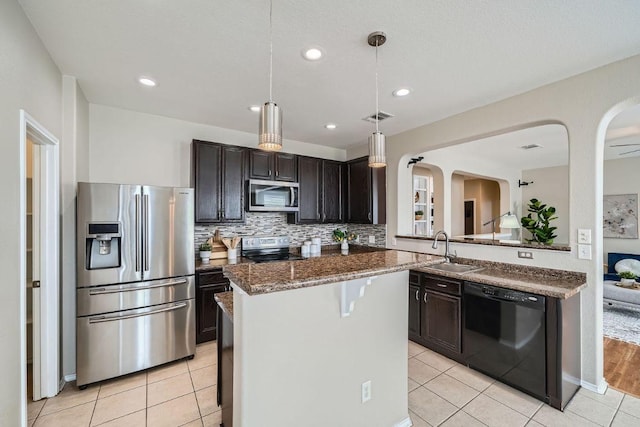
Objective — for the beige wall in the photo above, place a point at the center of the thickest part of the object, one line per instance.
(585, 104)
(285, 342)
(131, 147)
(621, 176)
(487, 196)
(29, 80)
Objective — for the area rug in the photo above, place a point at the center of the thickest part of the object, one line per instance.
(621, 323)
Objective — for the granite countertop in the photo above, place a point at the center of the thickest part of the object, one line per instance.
(225, 301)
(542, 281)
(270, 277)
(217, 264)
(489, 242)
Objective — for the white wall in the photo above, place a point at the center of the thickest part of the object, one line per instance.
(551, 187)
(621, 176)
(131, 147)
(74, 167)
(585, 104)
(29, 80)
(286, 342)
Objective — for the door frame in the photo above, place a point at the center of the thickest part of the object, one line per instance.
(49, 264)
(475, 212)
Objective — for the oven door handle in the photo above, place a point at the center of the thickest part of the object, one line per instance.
(101, 319)
(102, 291)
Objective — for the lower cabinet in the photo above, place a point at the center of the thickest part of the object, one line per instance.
(208, 283)
(435, 313)
(225, 368)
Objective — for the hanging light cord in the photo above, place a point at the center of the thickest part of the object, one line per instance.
(377, 113)
(270, 50)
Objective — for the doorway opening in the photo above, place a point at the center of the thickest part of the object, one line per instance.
(621, 252)
(470, 216)
(39, 261)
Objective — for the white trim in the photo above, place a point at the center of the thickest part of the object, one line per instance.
(404, 423)
(50, 346)
(600, 388)
(69, 378)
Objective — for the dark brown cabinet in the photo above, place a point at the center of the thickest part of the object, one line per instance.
(272, 166)
(321, 191)
(208, 283)
(225, 368)
(218, 178)
(366, 193)
(435, 313)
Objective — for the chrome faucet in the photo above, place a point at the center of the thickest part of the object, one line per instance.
(447, 253)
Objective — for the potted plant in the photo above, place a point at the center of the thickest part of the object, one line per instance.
(343, 237)
(205, 252)
(539, 226)
(419, 215)
(627, 278)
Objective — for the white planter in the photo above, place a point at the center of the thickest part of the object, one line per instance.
(344, 245)
(627, 282)
(205, 256)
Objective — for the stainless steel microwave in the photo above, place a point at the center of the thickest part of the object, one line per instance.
(272, 196)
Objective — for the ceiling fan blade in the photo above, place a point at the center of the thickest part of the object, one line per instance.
(622, 145)
(628, 152)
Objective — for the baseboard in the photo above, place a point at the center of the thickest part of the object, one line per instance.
(404, 423)
(61, 384)
(69, 378)
(595, 388)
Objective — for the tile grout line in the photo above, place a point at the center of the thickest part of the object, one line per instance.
(146, 398)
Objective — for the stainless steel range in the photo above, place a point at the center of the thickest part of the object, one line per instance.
(267, 249)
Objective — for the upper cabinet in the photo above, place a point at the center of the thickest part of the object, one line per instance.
(366, 193)
(273, 166)
(218, 178)
(321, 191)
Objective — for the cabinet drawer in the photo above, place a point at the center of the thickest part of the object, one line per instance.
(215, 276)
(441, 284)
(414, 277)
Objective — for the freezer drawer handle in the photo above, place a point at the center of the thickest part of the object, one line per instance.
(101, 291)
(101, 319)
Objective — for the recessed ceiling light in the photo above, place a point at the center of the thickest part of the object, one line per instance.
(330, 126)
(255, 108)
(403, 91)
(146, 81)
(312, 54)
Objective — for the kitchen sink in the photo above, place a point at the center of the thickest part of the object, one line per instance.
(452, 267)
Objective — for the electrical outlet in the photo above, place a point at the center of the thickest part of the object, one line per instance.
(584, 236)
(584, 251)
(524, 254)
(394, 241)
(372, 239)
(366, 391)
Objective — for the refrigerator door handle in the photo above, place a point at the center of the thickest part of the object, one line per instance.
(100, 319)
(137, 233)
(102, 291)
(146, 231)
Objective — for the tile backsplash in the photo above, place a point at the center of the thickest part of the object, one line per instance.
(275, 224)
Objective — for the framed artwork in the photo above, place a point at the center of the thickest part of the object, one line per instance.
(620, 216)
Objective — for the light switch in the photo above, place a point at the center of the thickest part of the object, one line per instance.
(584, 236)
(584, 251)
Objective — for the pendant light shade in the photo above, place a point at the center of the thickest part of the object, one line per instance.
(270, 127)
(377, 157)
(270, 136)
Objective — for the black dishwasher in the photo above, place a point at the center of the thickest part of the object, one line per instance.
(504, 336)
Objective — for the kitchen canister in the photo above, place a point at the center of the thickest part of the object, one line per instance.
(317, 242)
(232, 254)
(305, 250)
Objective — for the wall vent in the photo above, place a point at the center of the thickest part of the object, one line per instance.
(531, 146)
(377, 117)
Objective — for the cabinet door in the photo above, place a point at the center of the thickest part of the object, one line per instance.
(261, 164)
(332, 191)
(441, 320)
(414, 312)
(285, 167)
(359, 192)
(232, 194)
(310, 184)
(206, 158)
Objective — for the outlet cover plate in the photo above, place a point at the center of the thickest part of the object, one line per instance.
(584, 236)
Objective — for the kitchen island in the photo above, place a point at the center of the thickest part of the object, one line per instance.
(322, 341)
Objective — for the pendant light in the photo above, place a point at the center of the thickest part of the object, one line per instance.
(270, 130)
(377, 158)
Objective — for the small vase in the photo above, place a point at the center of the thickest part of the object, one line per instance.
(205, 256)
(627, 283)
(344, 246)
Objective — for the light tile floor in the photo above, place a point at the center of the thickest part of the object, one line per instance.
(441, 392)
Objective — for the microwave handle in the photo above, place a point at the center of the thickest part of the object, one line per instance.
(293, 196)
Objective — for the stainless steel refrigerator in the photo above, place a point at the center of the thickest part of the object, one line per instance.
(135, 279)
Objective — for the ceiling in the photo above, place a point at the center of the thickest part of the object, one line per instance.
(211, 57)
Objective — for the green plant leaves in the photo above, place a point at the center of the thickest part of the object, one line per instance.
(538, 226)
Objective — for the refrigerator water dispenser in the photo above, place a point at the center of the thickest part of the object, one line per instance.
(103, 245)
